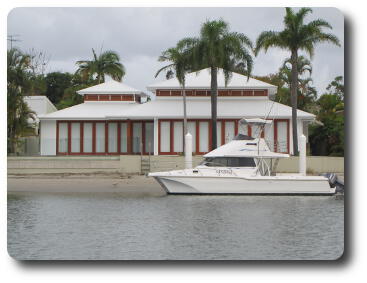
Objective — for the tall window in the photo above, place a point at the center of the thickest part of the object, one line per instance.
(123, 137)
(204, 137)
(219, 133)
(149, 137)
(137, 137)
(282, 136)
(230, 131)
(165, 132)
(100, 137)
(191, 128)
(75, 137)
(178, 136)
(112, 137)
(88, 137)
(63, 137)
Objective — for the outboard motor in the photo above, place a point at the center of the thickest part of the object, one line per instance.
(334, 181)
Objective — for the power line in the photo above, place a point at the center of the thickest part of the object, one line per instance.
(12, 38)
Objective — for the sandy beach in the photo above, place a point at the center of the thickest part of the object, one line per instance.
(87, 183)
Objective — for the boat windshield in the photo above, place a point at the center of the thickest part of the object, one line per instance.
(229, 162)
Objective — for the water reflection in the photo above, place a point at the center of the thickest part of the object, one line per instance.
(110, 226)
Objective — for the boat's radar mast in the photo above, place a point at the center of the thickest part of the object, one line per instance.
(258, 123)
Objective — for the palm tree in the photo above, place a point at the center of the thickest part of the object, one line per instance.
(303, 66)
(107, 63)
(296, 36)
(18, 111)
(217, 47)
(178, 67)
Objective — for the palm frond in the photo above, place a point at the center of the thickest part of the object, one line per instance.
(165, 68)
(266, 40)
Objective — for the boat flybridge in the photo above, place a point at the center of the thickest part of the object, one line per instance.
(244, 165)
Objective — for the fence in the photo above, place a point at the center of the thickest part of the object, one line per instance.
(131, 164)
(29, 146)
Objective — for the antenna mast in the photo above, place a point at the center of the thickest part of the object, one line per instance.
(13, 38)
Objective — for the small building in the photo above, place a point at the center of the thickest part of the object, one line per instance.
(114, 121)
(40, 104)
(30, 141)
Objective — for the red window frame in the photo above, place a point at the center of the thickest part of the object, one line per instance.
(106, 123)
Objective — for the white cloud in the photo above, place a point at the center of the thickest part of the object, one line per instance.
(139, 35)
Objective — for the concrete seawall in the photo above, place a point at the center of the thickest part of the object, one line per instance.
(131, 164)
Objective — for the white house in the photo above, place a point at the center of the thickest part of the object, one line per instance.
(112, 119)
(41, 105)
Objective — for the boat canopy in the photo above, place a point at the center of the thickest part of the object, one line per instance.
(255, 121)
(256, 148)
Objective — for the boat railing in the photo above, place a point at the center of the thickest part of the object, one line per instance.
(263, 167)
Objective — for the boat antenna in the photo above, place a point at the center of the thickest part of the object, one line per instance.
(262, 128)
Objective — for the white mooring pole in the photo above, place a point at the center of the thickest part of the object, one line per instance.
(188, 151)
(302, 155)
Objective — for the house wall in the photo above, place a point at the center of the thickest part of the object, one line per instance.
(48, 138)
(170, 134)
(165, 136)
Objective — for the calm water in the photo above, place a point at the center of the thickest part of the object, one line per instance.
(108, 226)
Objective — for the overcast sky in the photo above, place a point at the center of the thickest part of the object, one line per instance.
(139, 35)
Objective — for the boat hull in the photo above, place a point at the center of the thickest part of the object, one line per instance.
(236, 185)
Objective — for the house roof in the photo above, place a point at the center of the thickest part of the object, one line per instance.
(173, 109)
(97, 110)
(201, 80)
(40, 104)
(110, 87)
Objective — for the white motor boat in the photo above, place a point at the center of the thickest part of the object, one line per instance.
(245, 165)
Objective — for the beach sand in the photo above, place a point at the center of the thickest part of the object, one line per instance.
(88, 183)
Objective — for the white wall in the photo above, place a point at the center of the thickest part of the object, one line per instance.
(155, 143)
(48, 137)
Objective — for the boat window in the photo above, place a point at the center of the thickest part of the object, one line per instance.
(229, 162)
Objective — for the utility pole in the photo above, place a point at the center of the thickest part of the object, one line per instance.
(13, 38)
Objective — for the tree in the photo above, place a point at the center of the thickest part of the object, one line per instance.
(306, 94)
(70, 97)
(328, 138)
(337, 87)
(38, 61)
(56, 83)
(179, 67)
(37, 85)
(217, 47)
(107, 63)
(296, 36)
(18, 111)
(303, 66)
